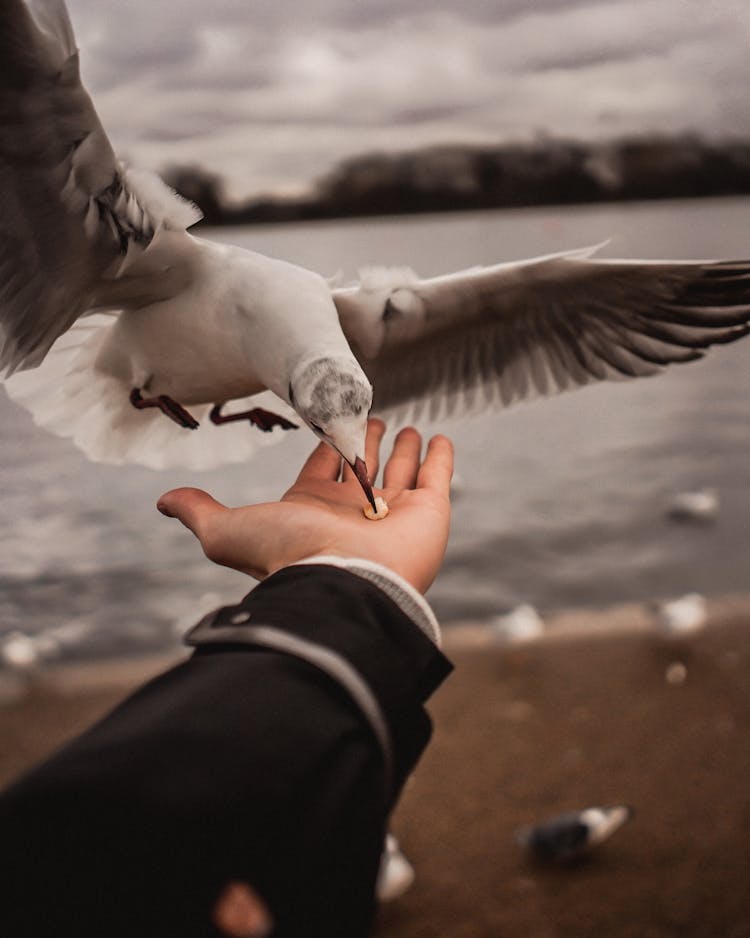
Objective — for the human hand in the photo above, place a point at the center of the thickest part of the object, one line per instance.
(320, 515)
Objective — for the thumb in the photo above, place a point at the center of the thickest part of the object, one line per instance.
(193, 507)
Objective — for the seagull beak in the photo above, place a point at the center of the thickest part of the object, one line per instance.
(360, 471)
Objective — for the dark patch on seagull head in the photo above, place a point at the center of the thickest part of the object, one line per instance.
(333, 397)
(330, 389)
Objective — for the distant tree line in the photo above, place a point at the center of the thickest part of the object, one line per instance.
(460, 178)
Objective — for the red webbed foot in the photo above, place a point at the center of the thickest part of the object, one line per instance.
(167, 406)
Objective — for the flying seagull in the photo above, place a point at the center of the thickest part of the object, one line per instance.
(133, 337)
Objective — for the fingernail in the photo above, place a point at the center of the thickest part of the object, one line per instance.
(163, 509)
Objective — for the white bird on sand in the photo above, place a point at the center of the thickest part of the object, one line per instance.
(183, 325)
(396, 874)
(521, 624)
(18, 650)
(678, 618)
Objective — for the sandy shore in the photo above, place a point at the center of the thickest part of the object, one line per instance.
(584, 716)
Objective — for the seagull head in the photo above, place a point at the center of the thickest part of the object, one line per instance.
(333, 396)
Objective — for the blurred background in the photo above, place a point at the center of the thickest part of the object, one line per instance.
(494, 131)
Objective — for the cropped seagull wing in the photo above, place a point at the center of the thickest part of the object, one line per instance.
(75, 225)
(492, 335)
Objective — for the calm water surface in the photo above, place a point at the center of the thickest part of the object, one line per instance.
(562, 500)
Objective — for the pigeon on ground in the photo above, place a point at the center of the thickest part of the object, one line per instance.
(570, 836)
(141, 334)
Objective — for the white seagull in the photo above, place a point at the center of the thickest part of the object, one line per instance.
(521, 624)
(140, 333)
(702, 505)
(682, 617)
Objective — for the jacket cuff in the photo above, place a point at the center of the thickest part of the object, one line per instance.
(409, 600)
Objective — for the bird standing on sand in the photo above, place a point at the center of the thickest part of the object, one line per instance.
(140, 333)
(680, 618)
(521, 624)
(570, 836)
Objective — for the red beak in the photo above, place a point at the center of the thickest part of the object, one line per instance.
(360, 471)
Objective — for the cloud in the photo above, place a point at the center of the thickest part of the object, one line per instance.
(271, 95)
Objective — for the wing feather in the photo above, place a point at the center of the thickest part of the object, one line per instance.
(495, 335)
(73, 220)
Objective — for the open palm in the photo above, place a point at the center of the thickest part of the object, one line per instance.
(322, 515)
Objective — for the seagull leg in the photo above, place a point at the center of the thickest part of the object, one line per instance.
(263, 419)
(167, 406)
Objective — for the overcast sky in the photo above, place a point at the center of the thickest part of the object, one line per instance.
(272, 94)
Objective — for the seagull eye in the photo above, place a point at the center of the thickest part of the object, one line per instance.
(317, 428)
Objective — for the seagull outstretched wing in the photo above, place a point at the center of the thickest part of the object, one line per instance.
(492, 335)
(78, 231)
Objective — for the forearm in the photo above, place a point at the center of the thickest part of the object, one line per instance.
(362, 618)
(242, 762)
(358, 623)
(411, 602)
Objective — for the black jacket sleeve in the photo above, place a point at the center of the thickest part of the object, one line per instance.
(246, 763)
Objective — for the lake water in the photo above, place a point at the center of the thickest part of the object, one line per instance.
(562, 502)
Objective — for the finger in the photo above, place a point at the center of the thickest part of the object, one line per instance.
(323, 464)
(375, 431)
(402, 467)
(437, 468)
(193, 507)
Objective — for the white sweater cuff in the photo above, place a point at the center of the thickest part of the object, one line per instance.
(409, 600)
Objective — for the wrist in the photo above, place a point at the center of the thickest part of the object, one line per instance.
(406, 596)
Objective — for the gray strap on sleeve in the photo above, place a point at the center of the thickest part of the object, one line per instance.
(320, 657)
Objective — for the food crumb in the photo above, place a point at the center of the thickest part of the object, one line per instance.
(382, 510)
